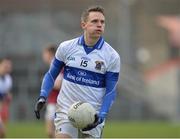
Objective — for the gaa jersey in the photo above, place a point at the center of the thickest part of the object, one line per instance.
(85, 71)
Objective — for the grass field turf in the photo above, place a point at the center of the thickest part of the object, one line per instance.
(111, 130)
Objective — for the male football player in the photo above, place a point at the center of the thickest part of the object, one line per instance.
(91, 71)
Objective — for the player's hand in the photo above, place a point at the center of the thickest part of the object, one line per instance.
(98, 120)
(39, 105)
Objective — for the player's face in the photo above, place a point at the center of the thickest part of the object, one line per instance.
(94, 26)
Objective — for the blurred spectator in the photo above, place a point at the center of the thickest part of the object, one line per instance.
(172, 25)
(5, 96)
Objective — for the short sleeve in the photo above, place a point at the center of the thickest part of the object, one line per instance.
(115, 64)
(60, 53)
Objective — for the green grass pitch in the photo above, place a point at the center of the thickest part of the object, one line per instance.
(118, 129)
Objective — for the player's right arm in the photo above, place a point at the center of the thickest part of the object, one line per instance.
(48, 81)
(50, 77)
(112, 75)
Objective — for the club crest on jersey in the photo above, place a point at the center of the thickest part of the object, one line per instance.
(99, 65)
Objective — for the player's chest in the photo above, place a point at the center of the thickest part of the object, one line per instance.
(93, 61)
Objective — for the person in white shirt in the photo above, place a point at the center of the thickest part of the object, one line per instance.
(91, 72)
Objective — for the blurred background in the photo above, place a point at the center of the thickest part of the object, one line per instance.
(146, 34)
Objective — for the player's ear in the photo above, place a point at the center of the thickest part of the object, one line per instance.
(83, 25)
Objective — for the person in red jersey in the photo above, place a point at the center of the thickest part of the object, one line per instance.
(48, 55)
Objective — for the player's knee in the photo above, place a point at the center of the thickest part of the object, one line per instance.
(51, 135)
(60, 135)
(50, 128)
(85, 136)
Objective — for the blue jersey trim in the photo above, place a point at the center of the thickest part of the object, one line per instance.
(112, 76)
(88, 49)
(84, 77)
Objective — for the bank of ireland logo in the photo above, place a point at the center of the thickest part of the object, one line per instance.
(82, 73)
(99, 65)
(86, 58)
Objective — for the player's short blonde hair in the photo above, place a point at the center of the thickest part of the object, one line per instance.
(85, 13)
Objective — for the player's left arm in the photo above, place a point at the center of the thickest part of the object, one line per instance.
(112, 76)
(111, 80)
(110, 94)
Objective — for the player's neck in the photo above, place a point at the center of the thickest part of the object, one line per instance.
(90, 41)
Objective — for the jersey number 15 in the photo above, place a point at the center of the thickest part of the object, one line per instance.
(84, 63)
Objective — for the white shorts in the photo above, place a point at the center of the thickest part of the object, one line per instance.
(50, 111)
(63, 125)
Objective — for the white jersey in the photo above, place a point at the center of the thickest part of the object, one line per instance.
(5, 84)
(84, 72)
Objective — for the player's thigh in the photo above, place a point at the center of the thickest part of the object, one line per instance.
(65, 130)
(63, 127)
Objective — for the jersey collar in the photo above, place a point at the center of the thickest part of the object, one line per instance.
(97, 46)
